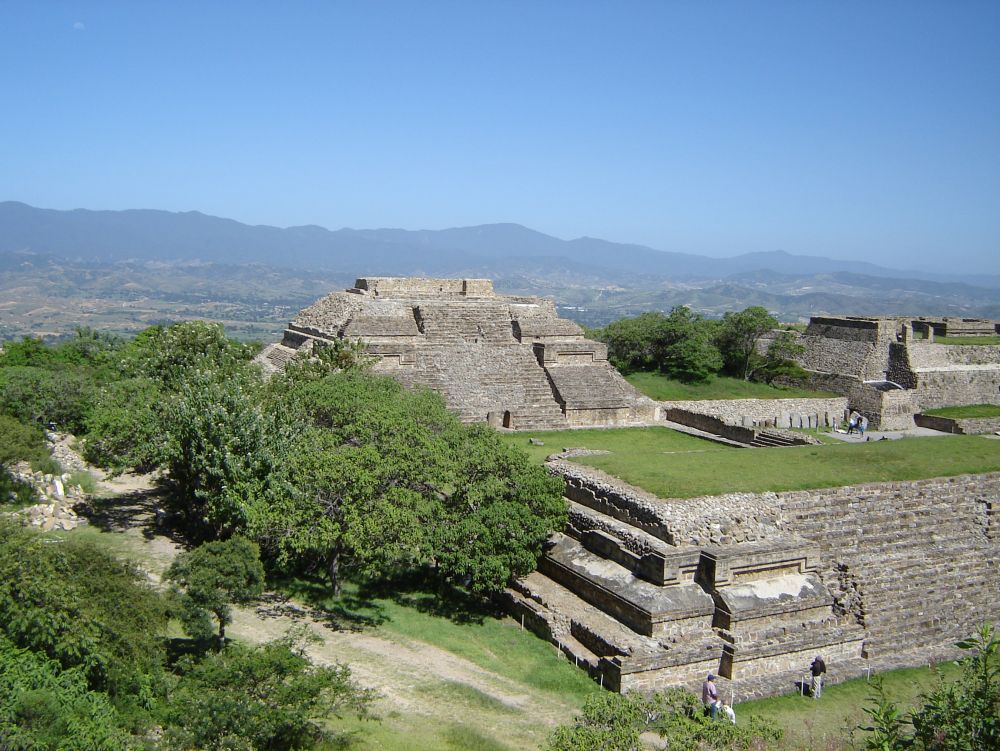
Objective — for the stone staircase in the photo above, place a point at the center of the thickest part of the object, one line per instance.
(480, 321)
(641, 613)
(479, 381)
(773, 439)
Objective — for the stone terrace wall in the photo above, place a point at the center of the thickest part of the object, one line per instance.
(756, 412)
(923, 355)
(918, 563)
(955, 388)
(725, 519)
(964, 426)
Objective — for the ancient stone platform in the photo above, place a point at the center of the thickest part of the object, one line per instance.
(646, 593)
(889, 374)
(507, 360)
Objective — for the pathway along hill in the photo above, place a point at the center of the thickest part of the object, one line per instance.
(431, 698)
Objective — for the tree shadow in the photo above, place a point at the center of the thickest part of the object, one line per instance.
(419, 591)
(350, 611)
(139, 509)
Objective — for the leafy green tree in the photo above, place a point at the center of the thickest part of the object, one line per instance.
(388, 478)
(959, 716)
(337, 356)
(779, 360)
(171, 354)
(738, 336)
(965, 716)
(211, 578)
(20, 442)
(684, 348)
(74, 603)
(224, 453)
(632, 341)
(30, 351)
(367, 475)
(498, 514)
(679, 345)
(40, 395)
(125, 427)
(267, 697)
(43, 706)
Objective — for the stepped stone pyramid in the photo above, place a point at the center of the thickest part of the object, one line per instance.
(646, 593)
(507, 360)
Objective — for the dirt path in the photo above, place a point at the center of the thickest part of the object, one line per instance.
(404, 672)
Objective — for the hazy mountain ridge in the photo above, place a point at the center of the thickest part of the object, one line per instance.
(147, 234)
(125, 270)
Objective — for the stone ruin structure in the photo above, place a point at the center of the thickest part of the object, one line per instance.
(647, 593)
(510, 361)
(888, 374)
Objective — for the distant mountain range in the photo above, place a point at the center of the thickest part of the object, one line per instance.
(144, 234)
(593, 280)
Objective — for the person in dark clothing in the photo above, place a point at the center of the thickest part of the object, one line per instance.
(818, 669)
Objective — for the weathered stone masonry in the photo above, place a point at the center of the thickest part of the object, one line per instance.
(507, 360)
(647, 592)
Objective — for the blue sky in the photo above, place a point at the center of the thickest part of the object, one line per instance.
(862, 130)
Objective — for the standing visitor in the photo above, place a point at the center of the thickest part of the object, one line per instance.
(818, 668)
(710, 695)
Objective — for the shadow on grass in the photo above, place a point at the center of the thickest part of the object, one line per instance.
(140, 509)
(361, 603)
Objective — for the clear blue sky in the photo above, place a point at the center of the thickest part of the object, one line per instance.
(866, 130)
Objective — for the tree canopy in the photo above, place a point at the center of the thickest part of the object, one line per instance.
(211, 578)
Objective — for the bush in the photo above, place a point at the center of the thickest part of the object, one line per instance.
(75, 604)
(257, 697)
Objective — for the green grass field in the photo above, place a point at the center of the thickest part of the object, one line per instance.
(968, 411)
(967, 340)
(829, 722)
(664, 389)
(675, 465)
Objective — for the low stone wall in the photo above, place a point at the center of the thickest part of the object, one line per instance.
(707, 520)
(925, 355)
(963, 426)
(780, 413)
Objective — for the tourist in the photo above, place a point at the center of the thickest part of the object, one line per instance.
(710, 695)
(727, 712)
(862, 425)
(818, 668)
(852, 423)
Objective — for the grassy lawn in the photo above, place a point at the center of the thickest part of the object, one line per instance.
(969, 410)
(829, 722)
(673, 465)
(967, 339)
(460, 625)
(661, 388)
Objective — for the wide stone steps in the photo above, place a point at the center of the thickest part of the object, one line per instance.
(476, 381)
(569, 615)
(770, 439)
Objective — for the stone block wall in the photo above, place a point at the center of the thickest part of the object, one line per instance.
(963, 426)
(735, 517)
(951, 388)
(782, 413)
(917, 563)
(923, 355)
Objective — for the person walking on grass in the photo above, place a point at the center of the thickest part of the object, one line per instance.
(818, 669)
(710, 696)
